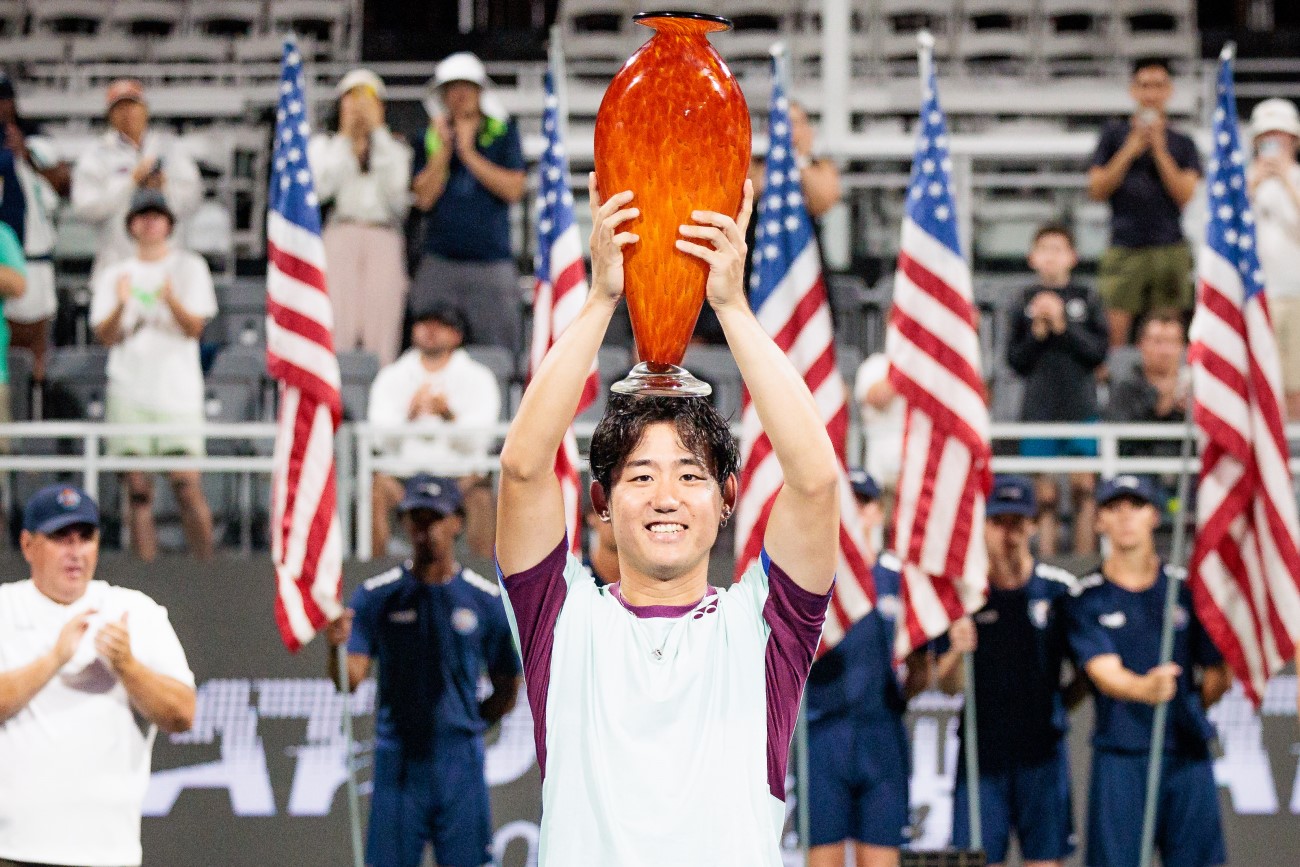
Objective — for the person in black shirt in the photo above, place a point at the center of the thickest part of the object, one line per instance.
(1157, 390)
(1058, 338)
(1148, 173)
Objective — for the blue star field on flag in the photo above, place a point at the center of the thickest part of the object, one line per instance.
(293, 193)
(554, 200)
(784, 228)
(1230, 231)
(929, 193)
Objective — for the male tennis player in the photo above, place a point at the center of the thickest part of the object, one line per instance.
(663, 707)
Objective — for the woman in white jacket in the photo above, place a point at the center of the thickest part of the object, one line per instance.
(364, 173)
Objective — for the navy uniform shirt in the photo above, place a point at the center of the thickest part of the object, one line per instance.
(857, 676)
(432, 643)
(468, 223)
(1023, 644)
(1142, 213)
(1105, 618)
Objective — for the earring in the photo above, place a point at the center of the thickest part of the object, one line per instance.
(726, 516)
(604, 516)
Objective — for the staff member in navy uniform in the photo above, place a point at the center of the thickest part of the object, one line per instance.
(858, 766)
(1115, 623)
(1020, 703)
(436, 629)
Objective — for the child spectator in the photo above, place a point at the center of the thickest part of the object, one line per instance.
(151, 309)
(1058, 338)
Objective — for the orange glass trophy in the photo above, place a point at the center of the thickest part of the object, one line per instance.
(673, 128)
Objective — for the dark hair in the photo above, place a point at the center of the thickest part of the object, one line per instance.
(1142, 63)
(1167, 316)
(701, 428)
(1055, 229)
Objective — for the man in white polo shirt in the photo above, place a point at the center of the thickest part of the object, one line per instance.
(664, 707)
(88, 674)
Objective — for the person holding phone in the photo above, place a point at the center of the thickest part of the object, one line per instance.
(1148, 173)
(1273, 182)
(363, 171)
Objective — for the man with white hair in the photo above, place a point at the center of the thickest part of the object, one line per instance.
(128, 157)
(469, 171)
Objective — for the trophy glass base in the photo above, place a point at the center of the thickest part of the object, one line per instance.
(661, 380)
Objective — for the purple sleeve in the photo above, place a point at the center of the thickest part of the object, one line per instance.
(795, 617)
(536, 596)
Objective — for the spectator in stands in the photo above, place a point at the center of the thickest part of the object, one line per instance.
(1115, 632)
(127, 158)
(364, 173)
(469, 171)
(883, 414)
(437, 385)
(13, 283)
(1274, 185)
(43, 178)
(1148, 172)
(151, 309)
(1158, 389)
(858, 754)
(1058, 338)
(88, 673)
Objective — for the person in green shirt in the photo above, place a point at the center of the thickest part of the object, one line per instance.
(13, 282)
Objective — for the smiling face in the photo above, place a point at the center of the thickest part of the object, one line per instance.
(62, 562)
(665, 507)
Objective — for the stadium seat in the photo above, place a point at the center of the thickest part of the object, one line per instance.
(758, 25)
(1159, 28)
(600, 30)
(109, 48)
(717, 366)
(208, 233)
(269, 48)
(357, 370)
(34, 48)
(68, 16)
(21, 363)
(995, 34)
(148, 17)
(239, 363)
(192, 48)
(1076, 35)
(325, 21)
(502, 364)
(12, 16)
(76, 380)
(227, 18)
(901, 20)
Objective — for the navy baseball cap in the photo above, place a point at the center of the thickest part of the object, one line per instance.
(1012, 495)
(424, 491)
(864, 487)
(57, 506)
(1136, 487)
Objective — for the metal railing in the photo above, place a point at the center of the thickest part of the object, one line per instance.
(361, 453)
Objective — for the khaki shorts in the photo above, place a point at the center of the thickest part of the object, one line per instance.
(1140, 279)
(1285, 313)
(122, 412)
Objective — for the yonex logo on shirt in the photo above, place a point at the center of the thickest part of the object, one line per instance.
(407, 616)
(986, 617)
(713, 606)
(464, 621)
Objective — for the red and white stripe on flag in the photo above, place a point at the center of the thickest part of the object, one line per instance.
(788, 295)
(306, 543)
(1245, 567)
(933, 349)
(559, 293)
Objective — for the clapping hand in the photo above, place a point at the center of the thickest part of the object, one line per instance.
(65, 646)
(113, 643)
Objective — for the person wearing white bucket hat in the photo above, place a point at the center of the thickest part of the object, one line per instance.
(364, 172)
(469, 171)
(1274, 185)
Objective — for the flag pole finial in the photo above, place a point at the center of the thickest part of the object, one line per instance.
(925, 39)
(1229, 51)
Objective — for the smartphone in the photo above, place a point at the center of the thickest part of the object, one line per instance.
(1270, 147)
(1148, 116)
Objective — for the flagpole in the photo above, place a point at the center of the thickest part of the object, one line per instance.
(1178, 558)
(354, 800)
(925, 59)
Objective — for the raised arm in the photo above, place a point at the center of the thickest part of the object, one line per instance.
(803, 528)
(530, 510)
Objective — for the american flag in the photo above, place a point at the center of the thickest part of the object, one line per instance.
(306, 544)
(788, 295)
(933, 348)
(1245, 568)
(560, 291)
